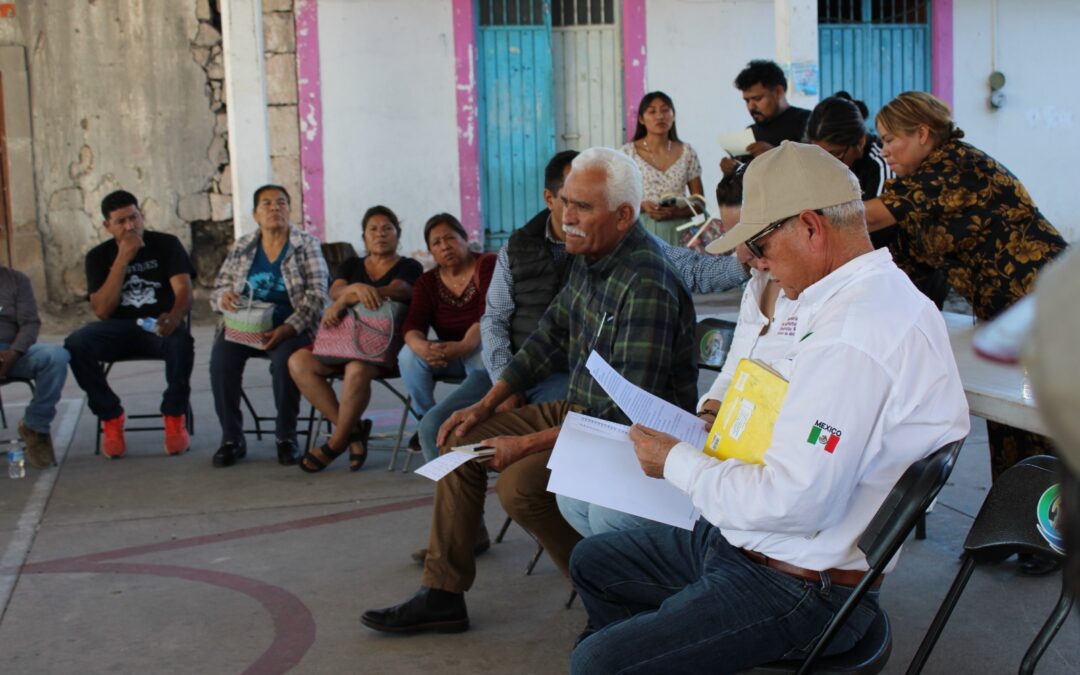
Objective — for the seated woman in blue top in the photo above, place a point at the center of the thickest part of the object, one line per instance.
(282, 265)
(380, 275)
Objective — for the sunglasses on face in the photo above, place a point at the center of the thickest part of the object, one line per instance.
(752, 244)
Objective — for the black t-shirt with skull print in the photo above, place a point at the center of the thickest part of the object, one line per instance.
(146, 290)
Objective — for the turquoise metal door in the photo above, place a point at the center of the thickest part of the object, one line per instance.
(517, 119)
(874, 49)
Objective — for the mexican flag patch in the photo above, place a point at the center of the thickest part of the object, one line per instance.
(824, 435)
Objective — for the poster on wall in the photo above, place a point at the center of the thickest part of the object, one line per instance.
(803, 78)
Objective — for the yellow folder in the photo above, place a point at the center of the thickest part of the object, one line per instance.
(744, 424)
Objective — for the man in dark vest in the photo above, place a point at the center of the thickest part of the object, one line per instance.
(529, 272)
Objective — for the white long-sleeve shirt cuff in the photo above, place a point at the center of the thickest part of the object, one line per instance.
(683, 463)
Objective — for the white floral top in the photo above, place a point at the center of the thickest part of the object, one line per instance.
(658, 183)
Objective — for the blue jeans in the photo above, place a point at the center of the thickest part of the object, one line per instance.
(476, 384)
(669, 600)
(589, 519)
(46, 365)
(115, 339)
(419, 376)
(227, 360)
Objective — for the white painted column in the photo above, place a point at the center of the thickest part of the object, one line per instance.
(245, 100)
(797, 50)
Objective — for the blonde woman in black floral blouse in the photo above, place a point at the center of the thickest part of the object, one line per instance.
(960, 211)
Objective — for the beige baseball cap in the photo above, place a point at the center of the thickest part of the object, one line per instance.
(783, 182)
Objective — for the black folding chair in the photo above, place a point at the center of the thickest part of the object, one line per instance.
(1010, 521)
(106, 367)
(891, 525)
(319, 426)
(4, 383)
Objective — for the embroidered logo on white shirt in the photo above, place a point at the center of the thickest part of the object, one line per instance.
(824, 435)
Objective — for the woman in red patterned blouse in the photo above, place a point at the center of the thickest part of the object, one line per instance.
(450, 300)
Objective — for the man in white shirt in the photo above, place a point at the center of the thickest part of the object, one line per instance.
(873, 388)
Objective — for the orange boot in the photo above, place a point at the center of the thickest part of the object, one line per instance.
(113, 444)
(176, 434)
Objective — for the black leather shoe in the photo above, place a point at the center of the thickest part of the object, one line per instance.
(287, 453)
(228, 454)
(429, 610)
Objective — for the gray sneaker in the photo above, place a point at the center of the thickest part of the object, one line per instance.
(39, 447)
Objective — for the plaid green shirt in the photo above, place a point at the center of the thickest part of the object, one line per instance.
(631, 307)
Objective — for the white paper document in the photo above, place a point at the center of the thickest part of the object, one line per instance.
(735, 142)
(644, 408)
(438, 468)
(594, 461)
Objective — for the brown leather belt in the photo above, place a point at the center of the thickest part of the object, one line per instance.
(849, 578)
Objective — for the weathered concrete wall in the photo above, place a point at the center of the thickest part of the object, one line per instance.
(279, 36)
(118, 102)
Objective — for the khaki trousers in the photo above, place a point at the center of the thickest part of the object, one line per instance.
(522, 489)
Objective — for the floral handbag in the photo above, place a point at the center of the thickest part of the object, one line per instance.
(372, 336)
(247, 324)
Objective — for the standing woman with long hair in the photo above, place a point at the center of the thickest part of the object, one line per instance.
(668, 166)
(957, 209)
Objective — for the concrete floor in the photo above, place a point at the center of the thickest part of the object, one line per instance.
(157, 564)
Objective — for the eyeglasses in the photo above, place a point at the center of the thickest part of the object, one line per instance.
(841, 153)
(752, 244)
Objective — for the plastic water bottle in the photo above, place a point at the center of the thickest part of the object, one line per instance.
(16, 462)
(148, 324)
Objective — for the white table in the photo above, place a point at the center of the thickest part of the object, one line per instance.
(994, 391)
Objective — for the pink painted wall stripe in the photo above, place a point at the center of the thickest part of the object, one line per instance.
(941, 50)
(467, 118)
(309, 95)
(634, 53)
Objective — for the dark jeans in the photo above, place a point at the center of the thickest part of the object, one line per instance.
(116, 339)
(670, 600)
(227, 361)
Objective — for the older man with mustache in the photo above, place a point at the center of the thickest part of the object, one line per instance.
(623, 299)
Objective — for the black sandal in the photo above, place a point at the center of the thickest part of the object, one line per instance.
(311, 463)
(360, 435)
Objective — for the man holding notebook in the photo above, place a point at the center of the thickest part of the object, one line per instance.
(872, 388)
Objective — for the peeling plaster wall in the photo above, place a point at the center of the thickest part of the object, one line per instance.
(118, 102)
(279, 38)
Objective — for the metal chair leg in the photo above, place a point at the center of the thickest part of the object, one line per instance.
(401, 432)
(535, 558)
(254, 415)
(942, 616)
(570, 602)
(1046, 634)
(503, 529)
